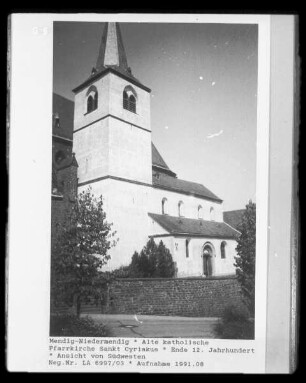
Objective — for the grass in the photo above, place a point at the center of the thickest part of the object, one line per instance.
(235, 324)
(71, 325)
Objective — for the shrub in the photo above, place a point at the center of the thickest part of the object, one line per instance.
(122, 272)
(232, 314)
(154, 261)
(71, 325)
(235, 324)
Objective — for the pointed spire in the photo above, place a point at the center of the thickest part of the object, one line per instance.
(111, 57)
(111, 52)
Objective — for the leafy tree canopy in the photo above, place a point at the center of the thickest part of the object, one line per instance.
(245, 261)
(81, 250)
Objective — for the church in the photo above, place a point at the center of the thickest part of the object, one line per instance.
(103, 140)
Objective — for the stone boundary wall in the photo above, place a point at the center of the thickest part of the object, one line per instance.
(191, 297)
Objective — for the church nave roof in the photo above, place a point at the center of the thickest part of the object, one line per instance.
(165, 178)
(194, 227)
(165, 181)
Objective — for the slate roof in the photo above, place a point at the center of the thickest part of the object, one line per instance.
(194, 227)
(64, 109)
(164, 181)
(157, 159)
(165, 178)
(233, 217)
(159, 164)
(111, 40)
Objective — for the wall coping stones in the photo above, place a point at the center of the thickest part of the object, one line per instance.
(220, 277)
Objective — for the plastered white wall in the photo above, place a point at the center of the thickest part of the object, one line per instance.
(91, 149)
(130, 154)
(126, 206)
(193, 265)
(190, 208)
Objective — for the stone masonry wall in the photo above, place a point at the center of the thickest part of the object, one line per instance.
(193, 297)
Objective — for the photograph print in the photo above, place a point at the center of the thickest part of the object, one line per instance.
(153, 197)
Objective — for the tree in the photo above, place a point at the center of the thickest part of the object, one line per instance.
(245, 261)
(165, 266)
(133, 268)
(153, 261)
(80, 251)
(149, 256)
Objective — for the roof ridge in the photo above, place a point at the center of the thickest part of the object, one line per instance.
(232, 227)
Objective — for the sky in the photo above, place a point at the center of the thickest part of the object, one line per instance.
(203, 79)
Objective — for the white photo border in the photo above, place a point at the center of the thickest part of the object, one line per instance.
(28, 263)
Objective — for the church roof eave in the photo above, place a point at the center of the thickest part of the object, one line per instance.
(164, 170)
(186, 192)
(167, 182)
(103, 73)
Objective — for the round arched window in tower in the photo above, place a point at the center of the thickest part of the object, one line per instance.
(92, 99)
(129, 99)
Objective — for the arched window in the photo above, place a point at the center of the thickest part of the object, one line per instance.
(125, 100)
(164, 206)
(92, 99)
(208, 253)
(187, 247)
(96, 101)
(90, 103)
(129, 99)
(181, 209)
(132, 101)
(200, 212)
(212, 213)
(223, 249)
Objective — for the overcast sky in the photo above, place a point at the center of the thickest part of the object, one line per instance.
(204, 94)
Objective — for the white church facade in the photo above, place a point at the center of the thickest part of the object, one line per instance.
(143, 198)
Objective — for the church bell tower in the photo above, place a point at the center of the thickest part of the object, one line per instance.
(112, 142)
(112, 133)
